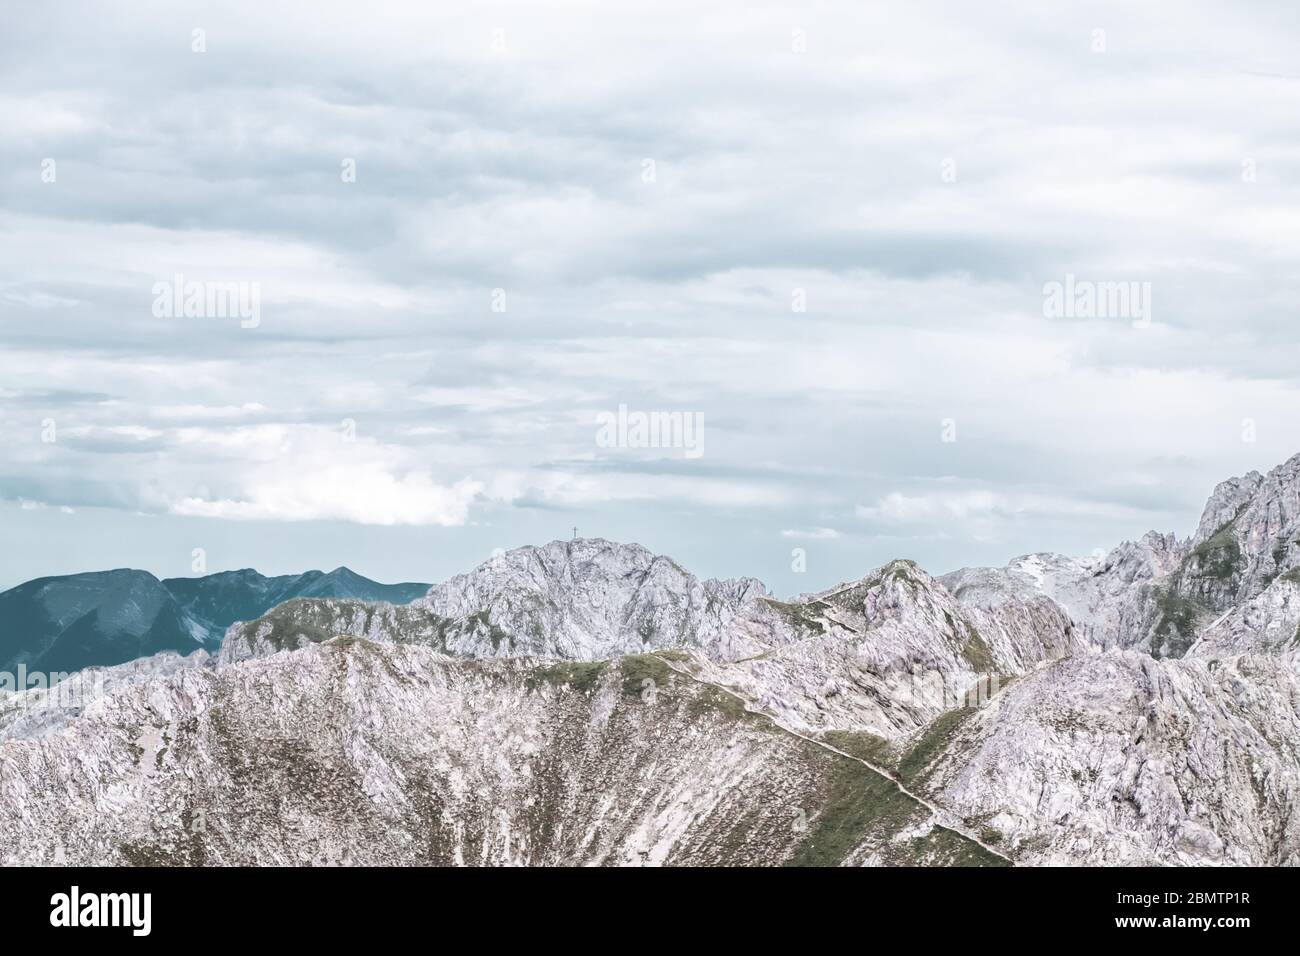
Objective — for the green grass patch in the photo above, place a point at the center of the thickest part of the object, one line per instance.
(860, 803)
(714, 700)
(974, 649)
(582, 676)
(639, 668)
(862, 806)
(932, 742)
(953, 849)
(286, 634)
(1219, 556)
(678, 657)
(801, 616)
(976, 652)
(1177, 621)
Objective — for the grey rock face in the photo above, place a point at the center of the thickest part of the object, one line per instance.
(590, 598)
(886, 653)
(1119, 759)
(39, 711)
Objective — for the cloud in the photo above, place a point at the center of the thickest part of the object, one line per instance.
(801, 269)
(365, 494)
(316, 476)
(986, 515)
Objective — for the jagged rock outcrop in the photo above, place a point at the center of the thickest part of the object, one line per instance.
(589, 598)
(1111, 600)
(42, 710)
(302, 621)
(1268, 623)
(1160, 594)
(893, 651)
(1249, 535)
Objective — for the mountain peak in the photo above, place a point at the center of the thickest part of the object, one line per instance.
(587, 598)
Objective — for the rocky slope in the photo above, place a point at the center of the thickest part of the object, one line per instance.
(41, 710)
(1120, 759)
(350, 752)
(591, 598)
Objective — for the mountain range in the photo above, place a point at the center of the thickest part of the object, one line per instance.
(69, 622)
(590, 702)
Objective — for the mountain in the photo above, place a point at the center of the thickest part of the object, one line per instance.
(62, 624)
(591, 599)
(583, 599)
(66, 623)
(223, 598)
(590, 702)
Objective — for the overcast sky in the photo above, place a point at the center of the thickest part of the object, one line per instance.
(824, 228)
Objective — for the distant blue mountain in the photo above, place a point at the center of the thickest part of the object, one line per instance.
(95, 618)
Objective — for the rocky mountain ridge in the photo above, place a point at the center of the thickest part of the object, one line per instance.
(1165, 595)
(588, 702)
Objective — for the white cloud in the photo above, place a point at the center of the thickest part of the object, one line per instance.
(312, 474)
(365, 494)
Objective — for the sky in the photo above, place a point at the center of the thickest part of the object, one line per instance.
(828, 235)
